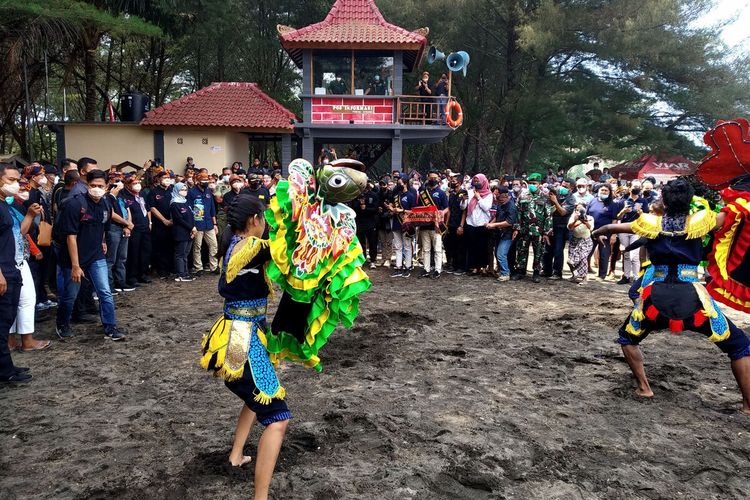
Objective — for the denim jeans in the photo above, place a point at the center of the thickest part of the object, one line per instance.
(442, 101)
(95, 272)
(181, 252)
(117, 254)
(555, 256)
(501, 252)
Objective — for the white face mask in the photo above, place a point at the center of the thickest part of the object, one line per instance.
(237, 186)
(166, 182)
(582, 190)
(212, 186)
(183, 193)
(225, 179)
(97, 192)
(136, 188)
(57, 179)
(12, 189)
(24, 195)
(42, 181)
(119, 185)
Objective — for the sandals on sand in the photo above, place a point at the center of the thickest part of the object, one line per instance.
(44, 344)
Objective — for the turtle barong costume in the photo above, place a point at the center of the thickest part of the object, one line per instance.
(315, 257)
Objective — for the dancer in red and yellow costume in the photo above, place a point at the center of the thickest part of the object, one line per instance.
(671, 296)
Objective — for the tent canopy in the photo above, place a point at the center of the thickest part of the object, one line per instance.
(662, 169)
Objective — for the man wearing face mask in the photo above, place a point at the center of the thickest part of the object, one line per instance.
(12, 234)
(85, 165)
(455, 250)
(237, 186)
(84, 221)
(648, 194)
(430, 236)
(563, 203)
(139, 244)
(581, 196)
(157, 203)
(201, 199)
(38, 181)
(257, 189)
(533, 227)
(403, 237)
(118, 235)
(630, 209)
(377, 87)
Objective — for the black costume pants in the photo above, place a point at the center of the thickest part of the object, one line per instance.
(8, 310)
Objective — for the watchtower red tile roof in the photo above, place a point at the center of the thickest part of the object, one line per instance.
(353, 24)
(225, 104)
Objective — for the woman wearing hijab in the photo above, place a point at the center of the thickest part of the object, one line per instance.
(183, 230)
(476, 217)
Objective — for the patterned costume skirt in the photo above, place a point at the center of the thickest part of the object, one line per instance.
(677, 301)
(235, 349)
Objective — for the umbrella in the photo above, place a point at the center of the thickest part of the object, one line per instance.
(578, 171)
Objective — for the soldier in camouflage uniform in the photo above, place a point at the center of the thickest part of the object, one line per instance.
(533, 227)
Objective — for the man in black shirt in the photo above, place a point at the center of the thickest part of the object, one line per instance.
(139, 246)
(67, 165)
(257, 189)
(505, 219)
(84, 221)
(366, 208)
(157, 203)
(12, 232)
(455, 251)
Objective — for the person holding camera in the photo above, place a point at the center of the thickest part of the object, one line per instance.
(455, 248)
(632, 208)
(563, 203)
(424, 90)
(581, 244)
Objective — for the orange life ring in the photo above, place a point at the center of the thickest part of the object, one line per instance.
(449, 114)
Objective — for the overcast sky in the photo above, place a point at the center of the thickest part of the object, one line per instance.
(738, 32)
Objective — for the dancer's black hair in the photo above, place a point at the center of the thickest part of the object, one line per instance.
(677, 195)
(242, 208)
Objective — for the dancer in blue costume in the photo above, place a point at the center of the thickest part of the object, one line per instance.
(670, 295)
(235, 347)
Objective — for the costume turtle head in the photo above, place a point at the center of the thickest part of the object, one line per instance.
(341, 180)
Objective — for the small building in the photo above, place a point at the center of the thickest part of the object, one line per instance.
(213, 125)
(353, 63)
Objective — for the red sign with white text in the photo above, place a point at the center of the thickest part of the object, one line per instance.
(345, 110)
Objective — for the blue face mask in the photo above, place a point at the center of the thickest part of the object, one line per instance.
(563, 191)
(9, 200)
(603, 196)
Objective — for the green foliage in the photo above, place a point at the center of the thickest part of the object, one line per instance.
(550, 81)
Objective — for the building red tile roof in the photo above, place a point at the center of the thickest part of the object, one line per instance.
(356, 24)
(224, 104)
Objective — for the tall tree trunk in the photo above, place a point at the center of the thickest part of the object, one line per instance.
(91, 43)
(108, 76)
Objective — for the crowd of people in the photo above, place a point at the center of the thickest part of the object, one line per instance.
(84, 234)
(482, 227)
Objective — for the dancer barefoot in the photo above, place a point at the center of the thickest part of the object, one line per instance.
(315, 257)
(235, 347)
(670, 295)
